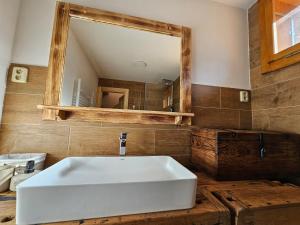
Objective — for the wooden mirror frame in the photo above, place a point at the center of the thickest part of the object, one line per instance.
(51, 108)
(273, 61)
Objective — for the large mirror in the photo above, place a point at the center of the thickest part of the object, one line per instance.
(110, 66)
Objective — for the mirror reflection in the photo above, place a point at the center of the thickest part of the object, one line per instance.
(110, 66)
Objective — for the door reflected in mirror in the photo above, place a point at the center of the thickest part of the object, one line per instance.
(110, 66)
(115, 98)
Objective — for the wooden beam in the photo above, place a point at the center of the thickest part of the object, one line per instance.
(119, 115)
(185, 76)
(102, 16)
(57, 58)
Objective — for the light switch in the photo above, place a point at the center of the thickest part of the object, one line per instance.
(19, 74)
(244, 96)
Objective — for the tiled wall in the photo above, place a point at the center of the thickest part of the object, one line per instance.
(22, 129)
(217, 107)
(276, 95)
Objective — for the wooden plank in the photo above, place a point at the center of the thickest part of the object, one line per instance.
(118, 115)
(102, 16)
(278, 119)
(283, 94)
(121, 117)
(57, 58)
(208, 211)
(129, 111)
(204, 154)
(185, 75)
(275, 205)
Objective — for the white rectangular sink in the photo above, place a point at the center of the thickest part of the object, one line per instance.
(90, 187)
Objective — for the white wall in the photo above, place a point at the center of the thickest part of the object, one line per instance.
(77, 66)
(220, 35)
(8, 20)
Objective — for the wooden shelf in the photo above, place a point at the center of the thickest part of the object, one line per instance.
(119, 115)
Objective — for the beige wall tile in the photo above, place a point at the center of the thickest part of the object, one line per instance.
(245, 120)
(36, 81)
(216, 118)
(34, 138)
(230, 98)
(205, 96)
(105, 141)
(22, 108)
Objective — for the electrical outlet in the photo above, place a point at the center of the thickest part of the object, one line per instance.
(19, 74)
(244, 96)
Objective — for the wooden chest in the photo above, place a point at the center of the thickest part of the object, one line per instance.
(277, 205)
(240, 155)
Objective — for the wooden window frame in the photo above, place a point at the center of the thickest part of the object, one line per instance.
(64, 12)
(273, 61)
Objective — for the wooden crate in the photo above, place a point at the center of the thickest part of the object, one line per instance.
(277, 205)
(236, 155)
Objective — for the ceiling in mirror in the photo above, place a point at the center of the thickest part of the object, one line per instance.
(99, 56)
(121, 53)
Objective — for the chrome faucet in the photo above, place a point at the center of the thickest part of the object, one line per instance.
(123, 139)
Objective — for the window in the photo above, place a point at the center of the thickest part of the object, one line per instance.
(286, 25)
(280, 30)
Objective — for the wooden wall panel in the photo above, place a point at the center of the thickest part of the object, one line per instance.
(276, 95)
(283, 94)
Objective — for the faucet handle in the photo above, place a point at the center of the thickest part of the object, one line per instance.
(123, 136)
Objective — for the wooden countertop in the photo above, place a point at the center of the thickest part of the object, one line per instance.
(209, 210)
